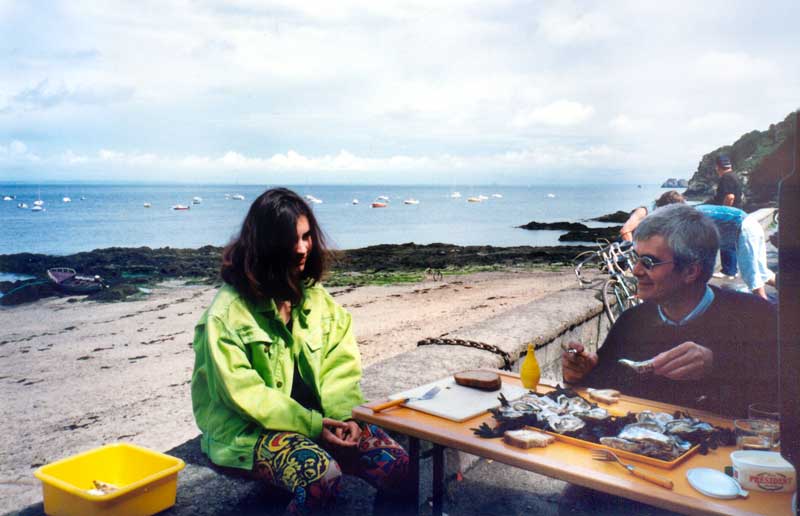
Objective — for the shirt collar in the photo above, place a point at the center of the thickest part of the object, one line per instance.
(698, 310)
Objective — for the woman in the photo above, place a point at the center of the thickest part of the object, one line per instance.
(277, 368)
(738, 231)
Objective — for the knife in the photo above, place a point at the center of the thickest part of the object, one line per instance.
(393, 403)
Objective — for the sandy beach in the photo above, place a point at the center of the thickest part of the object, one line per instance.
(75, 375)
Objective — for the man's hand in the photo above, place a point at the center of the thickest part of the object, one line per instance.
(339, 433)
(574, 366)
(687, 361)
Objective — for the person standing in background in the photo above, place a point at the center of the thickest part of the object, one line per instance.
(729, 193)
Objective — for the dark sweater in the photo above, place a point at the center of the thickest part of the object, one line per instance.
(729, 184)
(741, 330)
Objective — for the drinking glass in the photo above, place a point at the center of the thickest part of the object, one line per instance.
(769, 415)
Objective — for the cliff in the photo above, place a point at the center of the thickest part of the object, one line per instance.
(760, 159)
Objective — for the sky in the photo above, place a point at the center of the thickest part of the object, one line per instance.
(387, 92)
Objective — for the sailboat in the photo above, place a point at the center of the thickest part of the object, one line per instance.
(38, 202)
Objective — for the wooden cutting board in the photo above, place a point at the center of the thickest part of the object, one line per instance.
(456, 402)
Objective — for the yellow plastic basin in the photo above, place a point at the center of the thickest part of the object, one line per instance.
(147, 482)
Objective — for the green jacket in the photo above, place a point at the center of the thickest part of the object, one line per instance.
(244, 368)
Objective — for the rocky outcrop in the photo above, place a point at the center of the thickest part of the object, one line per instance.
(760, 158)
(124, 268)
(674, 182)
(617, 216)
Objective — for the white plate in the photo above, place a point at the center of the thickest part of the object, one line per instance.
(715, 483)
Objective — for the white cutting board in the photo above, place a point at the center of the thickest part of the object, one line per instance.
(456, 402)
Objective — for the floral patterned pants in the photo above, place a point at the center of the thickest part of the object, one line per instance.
(311, 473)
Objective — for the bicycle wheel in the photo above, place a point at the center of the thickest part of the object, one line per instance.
(615, 298)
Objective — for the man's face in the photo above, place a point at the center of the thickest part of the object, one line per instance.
(720, 171)
(662, 282)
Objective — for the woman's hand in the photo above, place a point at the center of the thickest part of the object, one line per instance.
(340, 433)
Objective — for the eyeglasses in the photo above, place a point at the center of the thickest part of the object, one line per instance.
(649, 262)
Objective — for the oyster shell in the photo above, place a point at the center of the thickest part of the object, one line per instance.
(621, 444)
(645, 366)
(523, 407)
(659, 418)
(645, 433)
(596, 414)
(562, 424)
(690, 429)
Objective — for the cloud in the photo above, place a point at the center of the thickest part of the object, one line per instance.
(16, 152)
(572, 26)
(626, 124)
(558, 113)
(715, 121)
(46, 95)
(734, 66)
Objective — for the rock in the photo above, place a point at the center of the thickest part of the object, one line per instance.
(559, 226)
(617, 216)
(27, 291)
(591, 234)
(113, 293)
(673, 182)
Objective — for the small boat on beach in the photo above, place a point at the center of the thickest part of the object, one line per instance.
(67, 280)
(181, 207)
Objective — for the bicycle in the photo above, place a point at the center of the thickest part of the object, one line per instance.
(617, 259)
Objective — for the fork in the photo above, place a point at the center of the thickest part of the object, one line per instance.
(608, 455)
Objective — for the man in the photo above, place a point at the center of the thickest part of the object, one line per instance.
(712, 349)
(729, 193)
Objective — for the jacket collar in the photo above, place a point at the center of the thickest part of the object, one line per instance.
(299, 313)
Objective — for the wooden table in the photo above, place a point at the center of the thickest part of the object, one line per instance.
(572, 463)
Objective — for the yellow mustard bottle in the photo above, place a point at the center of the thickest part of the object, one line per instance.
(529, 371)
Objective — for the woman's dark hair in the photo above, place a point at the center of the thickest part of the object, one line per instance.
(258, 263)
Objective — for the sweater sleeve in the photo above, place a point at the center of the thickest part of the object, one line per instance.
(245, 392)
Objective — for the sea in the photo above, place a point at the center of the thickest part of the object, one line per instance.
(114, 215)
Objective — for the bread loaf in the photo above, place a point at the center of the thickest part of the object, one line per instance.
(527, 438)
(483, 380)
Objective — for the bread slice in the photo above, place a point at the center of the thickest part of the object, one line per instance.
(527, 438)
(483, 380)
(609, 396)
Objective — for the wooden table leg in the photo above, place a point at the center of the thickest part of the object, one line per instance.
(438, 479)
